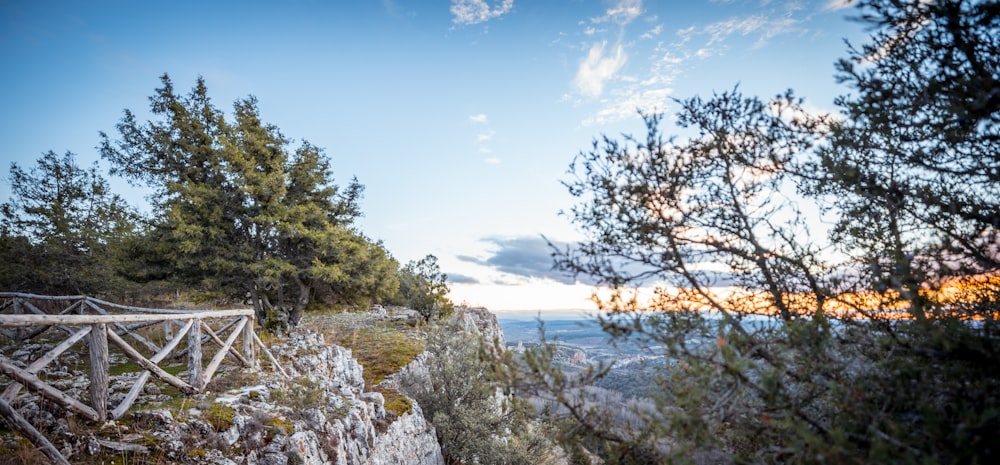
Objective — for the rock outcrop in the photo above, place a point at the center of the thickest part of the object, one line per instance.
(481, 322)
(322, 415)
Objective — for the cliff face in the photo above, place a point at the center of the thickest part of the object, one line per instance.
(481, 322)
(323, 416)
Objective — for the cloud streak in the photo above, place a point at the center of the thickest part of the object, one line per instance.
(469, 12)
(618, 91)
(526, 257)
(597, 68)
(484, 136)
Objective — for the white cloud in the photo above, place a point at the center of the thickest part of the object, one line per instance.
(650, 94)
(469, 12)
(652, 32)
(492, 161)
(485, 136)
(624, 12)
(834, 5)
(596, 69)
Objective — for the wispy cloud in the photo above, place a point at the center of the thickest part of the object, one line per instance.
(652, 32)
(765, 28)
(623, 12)
(458, 278)
(483, 136)
(834, 5)
(618, 91)
(597, 68)
(467, 12)
(650, 94)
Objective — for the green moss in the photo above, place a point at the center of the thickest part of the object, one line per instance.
(220, 416)
(280, 424)
(382, 350)
(396, 403)
(301, 394)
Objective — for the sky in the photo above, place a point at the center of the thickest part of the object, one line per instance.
(460, 117)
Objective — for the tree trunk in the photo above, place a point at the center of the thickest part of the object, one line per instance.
(300, 303)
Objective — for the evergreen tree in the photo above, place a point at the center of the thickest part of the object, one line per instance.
(62, 228)
(238, 214)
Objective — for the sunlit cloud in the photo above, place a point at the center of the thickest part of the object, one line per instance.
(468, 12)
(480, 118)
(597, 68)
(492, 161)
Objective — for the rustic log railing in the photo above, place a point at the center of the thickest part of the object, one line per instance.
(103, 324)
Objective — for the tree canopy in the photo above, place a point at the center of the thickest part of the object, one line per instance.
(237, 214)
(876, 344)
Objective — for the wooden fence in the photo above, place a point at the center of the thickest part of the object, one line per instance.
(102, 325)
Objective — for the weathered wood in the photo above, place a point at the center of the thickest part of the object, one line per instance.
(221, 354)
(11, 392)
(32, 382)
(218, 341)
(133, 393)
(194, 355)
(150, 366)
(35, 332)
(16, 421)
(274, 361)
(205, 337)
(104, 327)
(24, 295)
(169, 311)
(248, 352)
(138, 337)
(21, 321)
(99, 369)
(123, 446)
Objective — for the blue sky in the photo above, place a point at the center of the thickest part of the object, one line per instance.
(459, 117)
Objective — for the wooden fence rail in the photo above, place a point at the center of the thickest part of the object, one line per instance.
(103, 325)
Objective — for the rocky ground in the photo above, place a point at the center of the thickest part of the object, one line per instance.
(332, 409)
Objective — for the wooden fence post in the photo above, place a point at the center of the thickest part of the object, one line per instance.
(248, 343)
(194, 356)
(99, 366)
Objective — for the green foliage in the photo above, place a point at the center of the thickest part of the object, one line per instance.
(884, 351)
(474, 422)
(63, 231)
(396, 403)
(424, 288)
(220, 416)
(237, 213)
